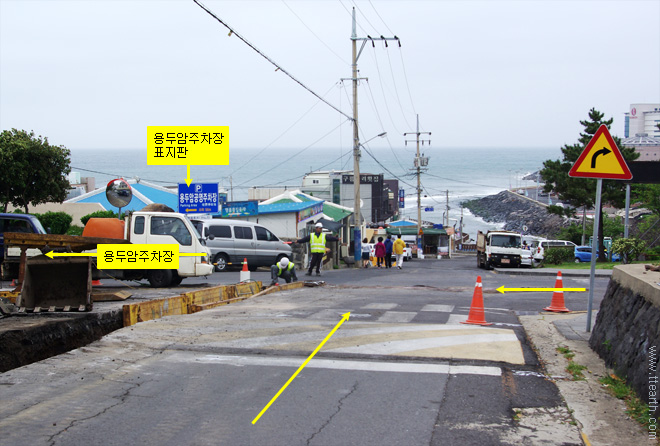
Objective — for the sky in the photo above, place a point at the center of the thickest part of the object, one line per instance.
(521, 74)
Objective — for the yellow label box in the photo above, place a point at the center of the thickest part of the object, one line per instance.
(136, 256)
(187, 145)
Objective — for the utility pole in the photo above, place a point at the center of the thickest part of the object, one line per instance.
(419, 163)
(357, 231)
(447, 210)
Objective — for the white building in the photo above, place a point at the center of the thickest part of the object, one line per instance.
(642, 119)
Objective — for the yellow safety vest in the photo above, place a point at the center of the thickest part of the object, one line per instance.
(317, 243)
(288, 268)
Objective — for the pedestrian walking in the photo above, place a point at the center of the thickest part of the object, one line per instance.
(388, 251)
(398, 247)
(284, 269)
(366, 253)
(317, 241)
(380, 252)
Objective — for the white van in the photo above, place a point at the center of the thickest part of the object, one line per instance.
(539, 253)
(231, 241)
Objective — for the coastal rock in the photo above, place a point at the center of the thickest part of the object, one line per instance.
(517, 211)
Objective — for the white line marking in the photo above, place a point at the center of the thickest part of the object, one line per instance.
(443, 308)
(397, 316)
(320, 363)
(395, 347)
(380, 307)
(456, 319)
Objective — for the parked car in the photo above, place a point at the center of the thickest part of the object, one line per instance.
(539, 253)
(23, 223)
(530, 244)
(583, 254)
(231, 241)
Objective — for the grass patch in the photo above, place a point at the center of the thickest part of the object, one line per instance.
(637, 409)
(586, 265)
(573, 368)
(568, 354)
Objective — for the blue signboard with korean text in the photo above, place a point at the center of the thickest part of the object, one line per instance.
(198, 198)
(240, 209)
(402, 199)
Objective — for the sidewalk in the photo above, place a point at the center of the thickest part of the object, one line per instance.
(601, 417)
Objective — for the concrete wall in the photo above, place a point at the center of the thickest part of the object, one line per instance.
(627, 330)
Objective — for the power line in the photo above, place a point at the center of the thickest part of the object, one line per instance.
(396, 90)
(380, 80)
(281, 135)
(405, 76)
(381, 19)
(231, 31)
(294, 155)
(314, 34)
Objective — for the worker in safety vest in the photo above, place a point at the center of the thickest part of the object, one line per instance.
(284, 269)
(317, 241)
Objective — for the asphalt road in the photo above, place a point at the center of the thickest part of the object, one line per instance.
(401, 371)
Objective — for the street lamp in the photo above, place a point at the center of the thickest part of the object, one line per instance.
(357, 231)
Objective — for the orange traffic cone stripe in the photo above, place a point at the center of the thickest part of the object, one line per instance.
(557, 304)
(477, 314)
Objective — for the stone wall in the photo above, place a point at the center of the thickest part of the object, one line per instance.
(627, 329)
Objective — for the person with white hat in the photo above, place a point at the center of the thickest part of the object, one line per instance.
(317, 242)
(284, 269)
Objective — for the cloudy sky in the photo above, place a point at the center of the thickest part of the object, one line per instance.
(94, 74)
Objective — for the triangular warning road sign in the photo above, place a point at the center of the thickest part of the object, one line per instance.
(601, 159)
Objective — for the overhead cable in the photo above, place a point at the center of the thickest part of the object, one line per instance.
(244, 40)
(314, 34)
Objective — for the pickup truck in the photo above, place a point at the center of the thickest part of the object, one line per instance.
(154, 228)
(10, 256)
(498, 248)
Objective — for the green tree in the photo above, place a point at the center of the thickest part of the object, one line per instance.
(33, 171)
(648, 195)
(581, 192)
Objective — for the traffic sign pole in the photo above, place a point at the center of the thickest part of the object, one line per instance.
(594, 255)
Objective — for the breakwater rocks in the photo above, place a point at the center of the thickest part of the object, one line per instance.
(516, 212)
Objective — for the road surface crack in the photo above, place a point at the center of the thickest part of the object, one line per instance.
(122, 398)
(339, 405)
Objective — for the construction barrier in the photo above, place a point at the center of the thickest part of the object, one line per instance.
(557, 304)
(188, 303)
(477, 313)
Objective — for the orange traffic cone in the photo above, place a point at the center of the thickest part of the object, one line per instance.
(557, 304)
(96, 282)
(245, 272)
(13, 282)
(476, 315)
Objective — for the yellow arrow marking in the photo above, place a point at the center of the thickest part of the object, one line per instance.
(344, 318)
(502, 289)
(69, 254)
(93, 254)
(188, 179)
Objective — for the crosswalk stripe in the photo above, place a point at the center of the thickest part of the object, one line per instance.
(320, 363)
(441, 308)
(397, 316)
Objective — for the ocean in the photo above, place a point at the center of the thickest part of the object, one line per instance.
(465, 173)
